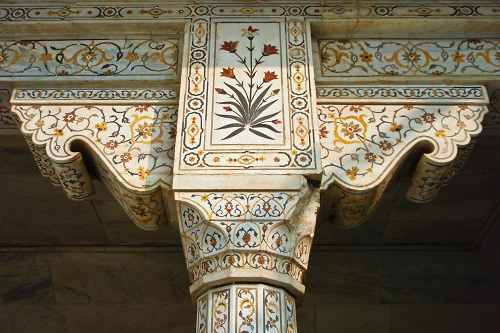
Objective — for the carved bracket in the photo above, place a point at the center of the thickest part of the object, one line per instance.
(127, 136)
(367, 132)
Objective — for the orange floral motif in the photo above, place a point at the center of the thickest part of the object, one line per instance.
(143, 173)
(228, 72)
(126, 157)
(411, 57)
(385, 145)
(138, 210)
(70, 117)
(3, 57)
(250, 32)
(269, 50)
(45, 58)
(102, 126)
(88, 56)
(350, 129)
(352, 173)
(145, 130)
(428, 118)
(440, 133)
(213, 241)
(370, 157)
(58, 132)
(395, 127)
(269, 76)
(356, 108)
(366, 57)
(246, 237)
(457, 57)
(112, 144)
(230, 47)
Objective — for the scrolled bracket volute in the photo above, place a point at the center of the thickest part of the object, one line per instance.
(367, 132)
(124, 138)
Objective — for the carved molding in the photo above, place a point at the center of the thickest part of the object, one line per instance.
(377, 57)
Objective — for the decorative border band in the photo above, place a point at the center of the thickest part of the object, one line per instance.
(124, 12)
(62, 96)
(413, 57)
(89, 58)
(395, 94)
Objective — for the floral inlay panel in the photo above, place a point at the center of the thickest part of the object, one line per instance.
(248, 98)
(376, 57)
(137, 141)
(248, 102)
(99, 58)
(153, 96)
(361, 142)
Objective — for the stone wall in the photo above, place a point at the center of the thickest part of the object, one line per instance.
(139, 290)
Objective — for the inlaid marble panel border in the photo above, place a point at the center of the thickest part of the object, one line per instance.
(394, 94)
(392, 58)
(154, 11)
(103, 58)
(276, 118)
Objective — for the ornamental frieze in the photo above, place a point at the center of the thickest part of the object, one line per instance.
(376, 57)
(106, 58)
(362, 9)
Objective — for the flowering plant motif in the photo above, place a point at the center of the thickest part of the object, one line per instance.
(247, 102)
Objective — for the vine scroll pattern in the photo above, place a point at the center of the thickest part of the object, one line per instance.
(410, 57)
(97, 58)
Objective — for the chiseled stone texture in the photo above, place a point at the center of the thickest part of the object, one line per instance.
(131, 318)
(82, 291)
(26, 285)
